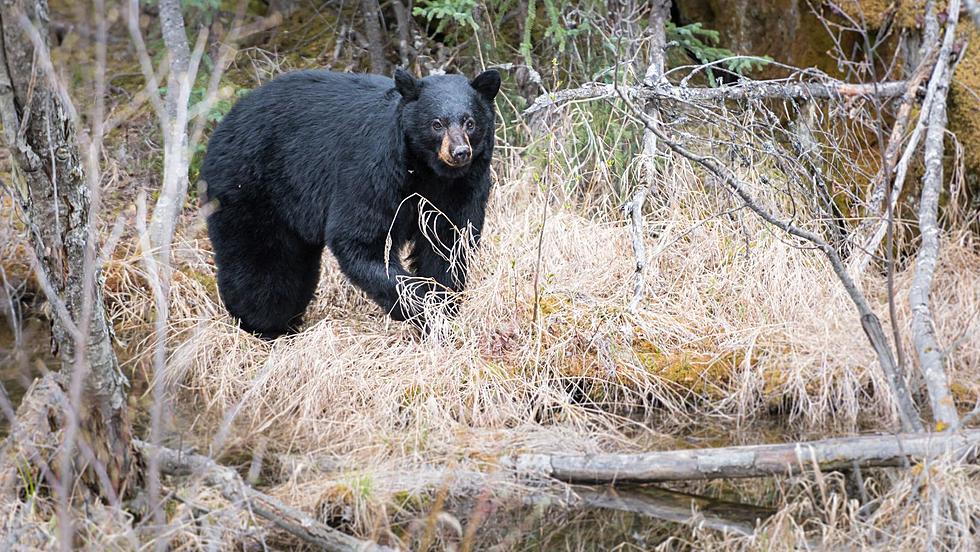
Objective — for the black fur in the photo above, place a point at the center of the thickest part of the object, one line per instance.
(316, 158)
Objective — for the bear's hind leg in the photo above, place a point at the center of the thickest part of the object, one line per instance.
(266, 274)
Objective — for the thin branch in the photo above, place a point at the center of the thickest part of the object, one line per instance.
(868, 236)
(146, 65)
(659, 14)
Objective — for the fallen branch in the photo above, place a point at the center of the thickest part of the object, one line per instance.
(233, 488)
(756, 90)
(748, 461)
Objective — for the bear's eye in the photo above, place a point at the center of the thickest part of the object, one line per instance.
(437, 125)
(470, 124)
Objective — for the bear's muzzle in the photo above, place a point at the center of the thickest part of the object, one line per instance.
(456, 150)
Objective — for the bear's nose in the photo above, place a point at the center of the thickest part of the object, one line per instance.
(461, 154)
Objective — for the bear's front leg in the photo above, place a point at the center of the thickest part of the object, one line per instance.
(442, 241)
(364, 265)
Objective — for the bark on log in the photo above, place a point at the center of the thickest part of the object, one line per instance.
(50, 180)
(756, 90)
(749, 461)
(233, 488)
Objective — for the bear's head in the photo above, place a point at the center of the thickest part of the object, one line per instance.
(448, 120)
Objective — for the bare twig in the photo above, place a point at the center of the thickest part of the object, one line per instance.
(749, 461)
(931, 357)
(146, 65)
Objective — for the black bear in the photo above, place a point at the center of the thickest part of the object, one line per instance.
(316, 158)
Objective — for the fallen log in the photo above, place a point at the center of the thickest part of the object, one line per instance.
(779, 89)
(749, 461)
(233, 488)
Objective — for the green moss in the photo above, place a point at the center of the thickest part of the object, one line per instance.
(964, 108)
(704, 374)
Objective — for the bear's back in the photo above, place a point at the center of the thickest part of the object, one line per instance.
(293, 114)
(289, 141)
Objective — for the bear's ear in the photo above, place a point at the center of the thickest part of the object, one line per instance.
(407, 85)
(487, 84)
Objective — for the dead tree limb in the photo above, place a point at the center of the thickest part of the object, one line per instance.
(233, 488)
(754, 90)
(659, 13)
(867, 237)
(931, 357)
(183, 71)
(869, 320)
(749, 461)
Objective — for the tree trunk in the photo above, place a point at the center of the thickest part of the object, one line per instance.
(404, 21)
(372, 29)
(49, 178)
(175, 127)
(659, 14)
